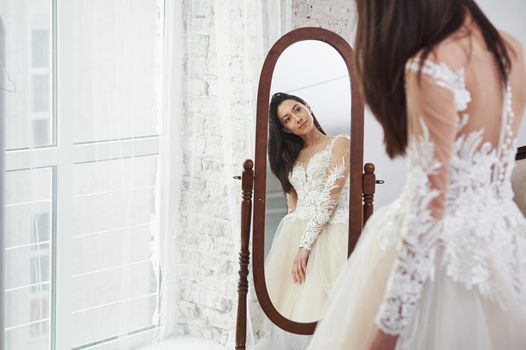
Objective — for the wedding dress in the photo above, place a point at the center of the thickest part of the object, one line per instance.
(318, 223)
(444, 266)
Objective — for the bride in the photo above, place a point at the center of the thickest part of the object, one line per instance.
(310, 245)
(443, 266)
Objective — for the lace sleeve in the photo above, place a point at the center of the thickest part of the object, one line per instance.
(434, 101)
(330, 194)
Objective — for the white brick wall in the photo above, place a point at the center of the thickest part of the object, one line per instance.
(335, 15)
(207, 249)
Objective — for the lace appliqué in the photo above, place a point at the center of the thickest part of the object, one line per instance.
(314, 183)
(417, 251)
(483, 253)
(326, 205)
(445, 77)
(415, 263)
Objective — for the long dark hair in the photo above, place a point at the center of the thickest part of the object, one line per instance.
(390, 32)
(284, 148)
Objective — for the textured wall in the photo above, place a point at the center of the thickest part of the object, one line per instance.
(218, 133)
(336, 15)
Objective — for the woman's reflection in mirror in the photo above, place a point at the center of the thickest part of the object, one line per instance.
(310, 244)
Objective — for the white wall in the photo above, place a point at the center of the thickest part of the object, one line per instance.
(508, 15)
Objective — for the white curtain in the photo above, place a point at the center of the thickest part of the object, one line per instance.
(2, 186)
(83, 190)
(174, 46)
(240, 33)
(103, 160)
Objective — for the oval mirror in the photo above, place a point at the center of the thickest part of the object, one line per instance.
(315, 65)
(314, 71)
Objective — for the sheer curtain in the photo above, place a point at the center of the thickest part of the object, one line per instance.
(83, 111)
(98, 129)
(171, 173)
(2, 186)
(241, 33)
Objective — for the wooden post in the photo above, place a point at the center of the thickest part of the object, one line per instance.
(369, 188)
(247, 184)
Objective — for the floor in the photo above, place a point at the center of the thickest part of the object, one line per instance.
(186, 343)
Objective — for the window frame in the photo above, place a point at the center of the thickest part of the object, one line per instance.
(61, 156)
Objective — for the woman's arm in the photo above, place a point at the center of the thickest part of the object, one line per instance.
(329, 196)
(434, 123)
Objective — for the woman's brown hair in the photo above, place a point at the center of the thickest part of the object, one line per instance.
(284, 148)
(390, 33)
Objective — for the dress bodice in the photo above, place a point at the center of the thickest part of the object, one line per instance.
(479, 216)
(309, 181)
(322, 188)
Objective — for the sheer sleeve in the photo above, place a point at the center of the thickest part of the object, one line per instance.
(434, 100)
(292, 199)
(330, 194)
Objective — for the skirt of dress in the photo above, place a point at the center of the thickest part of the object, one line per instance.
(449, 316)
(304, 302)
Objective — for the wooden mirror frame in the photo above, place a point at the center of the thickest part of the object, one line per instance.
(357, 129)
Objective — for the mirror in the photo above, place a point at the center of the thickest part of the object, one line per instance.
(316, 65)
(314, 71)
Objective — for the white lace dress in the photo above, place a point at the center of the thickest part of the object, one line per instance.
(443, 266)
(319, 223)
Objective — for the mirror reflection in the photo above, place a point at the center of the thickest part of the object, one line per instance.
(307, 199)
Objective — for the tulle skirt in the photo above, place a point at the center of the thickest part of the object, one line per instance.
(449, 316)
(304, 302)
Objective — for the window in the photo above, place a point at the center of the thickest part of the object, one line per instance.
(29, 207)
(40, 88)
(82, 172)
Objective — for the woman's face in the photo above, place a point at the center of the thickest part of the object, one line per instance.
(295, 117)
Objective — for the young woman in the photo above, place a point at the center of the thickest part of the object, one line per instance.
(310, 245)
(444, 266)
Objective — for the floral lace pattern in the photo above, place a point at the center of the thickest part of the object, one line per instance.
(314, 183)
(473, 252)
(416, 254)
(445, 77)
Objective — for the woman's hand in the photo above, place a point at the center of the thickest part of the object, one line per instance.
(299, 266)
(383, 341)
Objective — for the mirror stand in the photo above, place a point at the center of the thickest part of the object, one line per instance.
(362, 181)
(247, 186)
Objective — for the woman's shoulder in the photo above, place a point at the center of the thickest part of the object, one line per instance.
(342, 136)
(456, 50)
(451, 53)
(515, 49)
(340, 141)
(513, 43)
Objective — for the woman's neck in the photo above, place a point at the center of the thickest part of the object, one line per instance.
(313, 138)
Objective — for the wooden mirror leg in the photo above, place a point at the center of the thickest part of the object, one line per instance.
(247, 184)
(369, 188)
